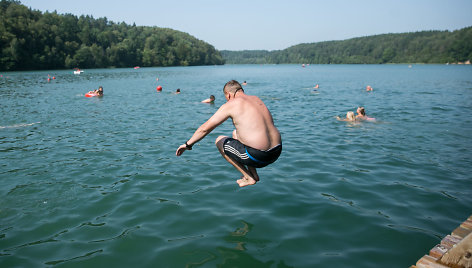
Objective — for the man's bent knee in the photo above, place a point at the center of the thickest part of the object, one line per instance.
(220, 139)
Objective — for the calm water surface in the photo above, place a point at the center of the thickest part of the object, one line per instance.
(94, 182)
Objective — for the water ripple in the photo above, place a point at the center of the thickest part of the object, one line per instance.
(91, 181)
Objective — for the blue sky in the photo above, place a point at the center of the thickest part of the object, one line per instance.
(276, 24)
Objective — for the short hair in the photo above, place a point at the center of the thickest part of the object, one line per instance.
(362, 110)
(212, 97)
(232, 86)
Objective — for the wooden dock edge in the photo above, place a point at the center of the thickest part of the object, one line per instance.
(433, 260)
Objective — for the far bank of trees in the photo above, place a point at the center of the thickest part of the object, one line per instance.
(419, 47)
(30, 39)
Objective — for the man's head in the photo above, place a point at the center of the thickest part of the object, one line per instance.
(231, 88)
(212, 98)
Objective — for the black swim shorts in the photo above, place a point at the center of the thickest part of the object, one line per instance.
(249, 156)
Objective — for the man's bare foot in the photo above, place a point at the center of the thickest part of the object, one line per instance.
(246, 181)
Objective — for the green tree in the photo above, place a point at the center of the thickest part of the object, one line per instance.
(30, 39)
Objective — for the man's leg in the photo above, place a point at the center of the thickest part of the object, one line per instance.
(251, 170)
(248, 175)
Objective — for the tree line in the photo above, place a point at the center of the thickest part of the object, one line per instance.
(418, 47)
(33, 40)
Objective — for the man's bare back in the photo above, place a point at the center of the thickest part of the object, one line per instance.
(253, 122)
(256, 142)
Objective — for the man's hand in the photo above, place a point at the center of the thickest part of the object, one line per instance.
(181, 150)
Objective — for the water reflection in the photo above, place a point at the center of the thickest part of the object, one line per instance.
(239, 236)
(241, 255)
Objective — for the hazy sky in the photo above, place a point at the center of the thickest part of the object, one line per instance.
(275, 24)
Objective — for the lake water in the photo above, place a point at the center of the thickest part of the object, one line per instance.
(94, 182)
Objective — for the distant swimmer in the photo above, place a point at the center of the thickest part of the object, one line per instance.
(350, 117)
(177, 91)
(95, 93)
(369, 88)
(317, 86)
(210, 100)
(361, 114)
(244, 83)
(256, 142)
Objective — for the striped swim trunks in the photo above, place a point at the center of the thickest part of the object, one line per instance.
(249, 156)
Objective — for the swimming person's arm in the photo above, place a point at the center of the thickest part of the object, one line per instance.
(219, 117)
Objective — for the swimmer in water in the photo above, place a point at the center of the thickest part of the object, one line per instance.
(244, 83)
(369, 88)
(210, 100)
(98, 91)
(350, 117)
(256, 141)
(361, 115)
(177, 91)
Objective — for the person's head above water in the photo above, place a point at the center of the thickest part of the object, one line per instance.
(361, 111)
(231, 88)
(350, 116)
(210, 100)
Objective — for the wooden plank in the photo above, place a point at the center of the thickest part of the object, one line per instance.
(449, 241)
(459, 255)
(447, 245)
(467, 225)
(429, 262)
(461, 232)
(438, 251)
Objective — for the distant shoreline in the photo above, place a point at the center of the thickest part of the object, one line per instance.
(231, 64)
(428, 47)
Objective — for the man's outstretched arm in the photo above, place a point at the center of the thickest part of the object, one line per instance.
(219, 117)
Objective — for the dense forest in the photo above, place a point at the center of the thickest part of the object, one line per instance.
(32, 40)
(419, 47)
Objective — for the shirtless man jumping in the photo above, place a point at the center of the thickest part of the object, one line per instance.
(256, 142)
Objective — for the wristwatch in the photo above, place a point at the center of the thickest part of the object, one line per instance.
(189, 147)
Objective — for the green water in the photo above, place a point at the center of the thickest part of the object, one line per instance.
(94, 182)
